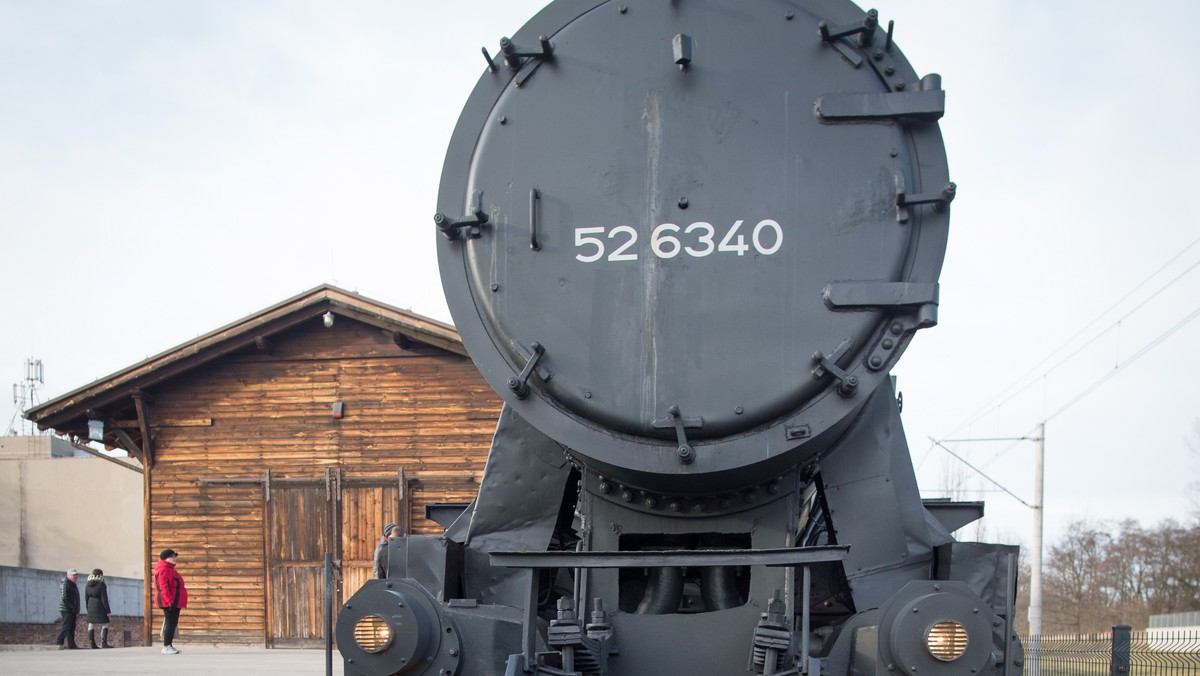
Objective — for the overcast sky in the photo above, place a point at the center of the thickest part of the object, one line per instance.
(169, 167)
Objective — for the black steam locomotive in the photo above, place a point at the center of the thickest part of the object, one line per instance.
(686, 241)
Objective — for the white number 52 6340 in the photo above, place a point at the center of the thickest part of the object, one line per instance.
(667, 240)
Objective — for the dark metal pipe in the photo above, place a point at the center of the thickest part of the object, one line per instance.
(664, 591)
(718, 588)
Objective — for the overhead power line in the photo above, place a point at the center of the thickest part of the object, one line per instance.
(981, 473)
(1004, 396)
(1119, 367)
(1071, 402)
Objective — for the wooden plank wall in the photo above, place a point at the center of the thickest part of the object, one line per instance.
(420, 409)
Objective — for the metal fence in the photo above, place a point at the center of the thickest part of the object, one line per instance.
(1158, 652)
(31, 595)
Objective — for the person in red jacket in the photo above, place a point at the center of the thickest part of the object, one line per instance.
(172, 596)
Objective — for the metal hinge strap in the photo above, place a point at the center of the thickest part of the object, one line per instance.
(520, 384)
(451, 227)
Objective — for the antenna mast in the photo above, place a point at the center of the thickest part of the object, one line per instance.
(25, 397)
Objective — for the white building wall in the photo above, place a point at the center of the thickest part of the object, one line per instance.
(63, 512)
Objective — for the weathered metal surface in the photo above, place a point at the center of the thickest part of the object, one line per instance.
(687, 242)
(689, 557)
(688, 220)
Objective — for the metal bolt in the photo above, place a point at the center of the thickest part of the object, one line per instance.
(683, 202)
(789, 16)
(750, 496)
(739, 410)
(503, 120)
(896, 328)
(605, 487)
(454, 652)
(878, 55)
(627, 496)
(587, 394)
(622, 9)
(495, 286)
(899, 86)
(890, 70)
(888, 343)
(876, 361)
(400, 604)
(675, 505)
(848, 386)
(937, 587)
(893, 152)
(651, 502)
(686, 454)
(773, 489)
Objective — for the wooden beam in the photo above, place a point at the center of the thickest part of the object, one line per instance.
(130, 445)
(147, 570)
(142, 402)
(165, 422)
(405, 508)
(87, 449)
(402, 341)
(264, 344)
(268, 594)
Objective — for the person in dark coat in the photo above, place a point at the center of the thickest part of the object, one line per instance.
(96, 597)
(390, 532)
(172, 597)
(68, 605)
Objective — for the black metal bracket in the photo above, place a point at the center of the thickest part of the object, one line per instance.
(873, 294)
(520, 384)
(847, 384)
(865, 30)
(681, 50)
(535, 196)
(912, 106)
(685, 452)
(450, 227)
(914, 306)
(939, 200)
(515, 59)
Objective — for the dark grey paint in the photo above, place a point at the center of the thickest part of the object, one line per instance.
(716, 401)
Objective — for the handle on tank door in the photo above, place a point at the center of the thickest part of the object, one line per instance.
(534, 197)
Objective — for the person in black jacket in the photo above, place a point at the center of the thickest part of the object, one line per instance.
(68, 605)
(96, 595)
(390, 532)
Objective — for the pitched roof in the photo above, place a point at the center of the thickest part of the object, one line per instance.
(66, 411)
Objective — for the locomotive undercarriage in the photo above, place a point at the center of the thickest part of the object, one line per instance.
(558, 569)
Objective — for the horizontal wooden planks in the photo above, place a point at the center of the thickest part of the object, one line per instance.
(420, 409)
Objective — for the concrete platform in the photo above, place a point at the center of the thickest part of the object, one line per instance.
(198, 660)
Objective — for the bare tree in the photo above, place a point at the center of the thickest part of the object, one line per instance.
(1072, 589)
(1100, 575)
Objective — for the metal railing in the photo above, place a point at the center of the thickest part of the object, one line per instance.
(1158, 652)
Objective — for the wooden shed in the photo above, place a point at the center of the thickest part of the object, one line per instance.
(299, 430)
